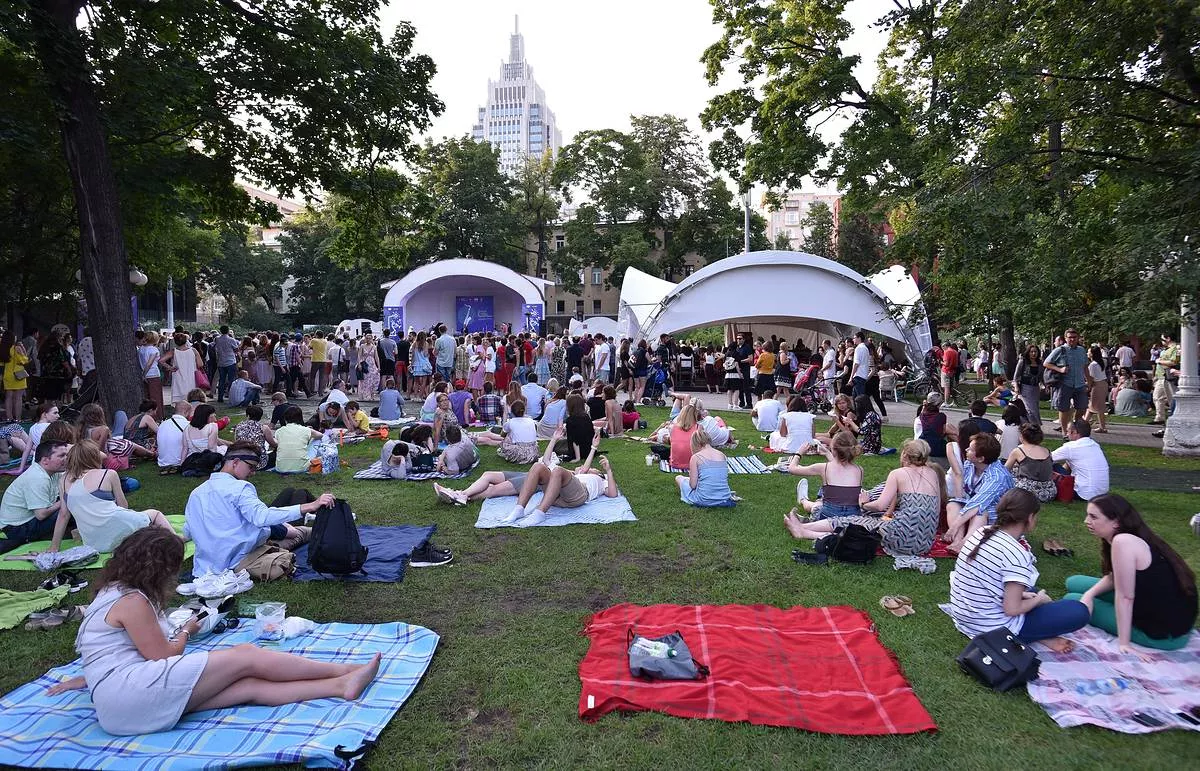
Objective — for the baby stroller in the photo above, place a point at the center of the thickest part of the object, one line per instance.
(810, 386)
(658, 386)
(88, 394)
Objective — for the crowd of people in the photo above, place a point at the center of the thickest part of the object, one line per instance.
(977, 482)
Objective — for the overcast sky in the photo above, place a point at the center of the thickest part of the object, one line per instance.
(598, 63)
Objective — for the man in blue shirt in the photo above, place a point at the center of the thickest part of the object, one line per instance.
(535, 397)
(985, 479)
(228, 522)
(1070, 395)
(444, 349)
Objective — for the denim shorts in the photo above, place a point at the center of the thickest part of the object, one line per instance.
(1064, 398)
(830, 510)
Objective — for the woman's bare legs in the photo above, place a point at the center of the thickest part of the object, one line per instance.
(247, 674)
(491, 484)
(487, 438)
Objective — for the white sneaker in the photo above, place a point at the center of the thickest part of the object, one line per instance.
(802, 491)
(517, 513)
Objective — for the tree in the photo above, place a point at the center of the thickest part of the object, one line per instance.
(859, 243)
(535, 204)
(782, 242)
(291, 95)
(713, 228)
(242, 273)
(817, 227)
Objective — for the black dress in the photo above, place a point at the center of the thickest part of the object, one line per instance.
(579, 435)
(1161, 608)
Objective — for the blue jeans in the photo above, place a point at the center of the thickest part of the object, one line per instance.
(251, 397)
(521, 370)
(1054, 619)
(447, 373)
(858, 386)
(33, 530)
(227, 374)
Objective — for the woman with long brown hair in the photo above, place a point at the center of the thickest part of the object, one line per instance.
(143, 681)
(1147, 594)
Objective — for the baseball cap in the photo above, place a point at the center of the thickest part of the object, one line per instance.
(460, 383)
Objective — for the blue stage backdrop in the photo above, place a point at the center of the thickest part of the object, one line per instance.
(533, 318)
(475, 313)
(393, 319)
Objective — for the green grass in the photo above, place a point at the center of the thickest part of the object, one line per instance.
(503, 687)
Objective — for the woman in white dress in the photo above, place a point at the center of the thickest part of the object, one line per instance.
(142, 679)
(183, 361)
(97, 502)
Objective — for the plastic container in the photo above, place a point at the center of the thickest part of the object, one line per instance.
(268, 621)
(650, 458)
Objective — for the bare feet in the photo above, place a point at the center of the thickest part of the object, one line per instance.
(792, 523)
(358, 680)
(1058, 644)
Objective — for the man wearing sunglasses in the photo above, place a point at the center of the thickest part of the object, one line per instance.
(227, 520)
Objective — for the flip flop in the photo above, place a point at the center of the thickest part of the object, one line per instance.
(896, 605)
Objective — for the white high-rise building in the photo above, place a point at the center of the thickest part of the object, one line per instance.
(516, 119)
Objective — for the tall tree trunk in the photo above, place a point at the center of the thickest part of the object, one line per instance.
(104, 264)
(1008, 343)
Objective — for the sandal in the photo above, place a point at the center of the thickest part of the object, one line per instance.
(898, 605)
(1055, 549)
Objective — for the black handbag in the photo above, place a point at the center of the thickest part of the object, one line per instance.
(999, 660)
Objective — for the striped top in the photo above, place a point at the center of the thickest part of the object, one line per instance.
(977, 586)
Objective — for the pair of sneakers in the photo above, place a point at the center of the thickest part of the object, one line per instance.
(74, 581)
(429, 556)
(446, 495)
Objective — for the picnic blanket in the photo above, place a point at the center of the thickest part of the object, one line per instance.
(744, 465)
(377, 422)
(388, 550)
(377, 471)
(1097, 684)
(176, 521)
(817, 669)
(61, 731)
(598, 512)
(939, 550)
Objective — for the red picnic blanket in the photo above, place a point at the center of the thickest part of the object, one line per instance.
(818, 669)
(939, 550)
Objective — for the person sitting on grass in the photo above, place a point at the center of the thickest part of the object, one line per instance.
(562, 487)
(795, 432)
(707, 482)
(356, 418)
(554, 413)
(984, 481)
(329, 416)
(1000, 394)
(253, 430)
(490, 407)
(460, 453)
(629, 415)
(229, 523)
(94, 497)
(612, 420)
(844, 419)
(391, 402)
(765, 414)
(142, 428)
(242, 392)
(1031, 465)
(291, 442)
(32, 502)
(518, 439)
(979, 417)
(994, 583)
(595, 403)
(870, 426)
(142, 682)
(1082, 457)
(841, 481)
(1147, 595)
(462, 403)
(718, 433)
(13, 437)
(279, 405)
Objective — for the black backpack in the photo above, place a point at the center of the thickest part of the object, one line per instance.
(334, 546)
(852, 543)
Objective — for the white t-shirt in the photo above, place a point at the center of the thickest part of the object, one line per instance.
(36, 431)
(1010, 437)
(800, 431)
(594, 484)
(1097, 372)
(862, 361)
(829, 365)
(1125, 356)
(1088, 466)
(977, 586)
(769, 411)
(489, 363)
(333, 354)
(521, 430)
(170, 441)
(602, 357)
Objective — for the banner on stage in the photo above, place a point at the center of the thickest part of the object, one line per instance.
(475, 313)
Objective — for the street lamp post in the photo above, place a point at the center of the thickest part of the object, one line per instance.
(1182, 435)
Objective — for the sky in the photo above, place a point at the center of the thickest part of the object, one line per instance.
(598, 63)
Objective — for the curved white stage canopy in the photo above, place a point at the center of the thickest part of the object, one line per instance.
(774, 292)
(473, 294)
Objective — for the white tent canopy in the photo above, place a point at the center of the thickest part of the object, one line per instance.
(427, 295)
(810, 296)
(593, 325)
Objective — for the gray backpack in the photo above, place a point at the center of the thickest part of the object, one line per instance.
(663, 658)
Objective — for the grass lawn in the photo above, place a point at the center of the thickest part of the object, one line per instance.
(503, 687)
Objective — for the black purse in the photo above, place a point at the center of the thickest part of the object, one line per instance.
(999, 660)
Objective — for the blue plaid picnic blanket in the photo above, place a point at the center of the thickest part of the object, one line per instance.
(744, 465)
(377, 471)
(61, 731)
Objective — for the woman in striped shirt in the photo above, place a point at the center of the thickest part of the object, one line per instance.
(994, 583)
